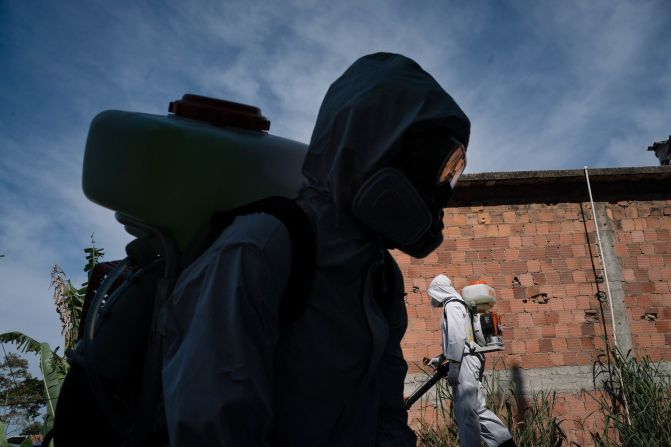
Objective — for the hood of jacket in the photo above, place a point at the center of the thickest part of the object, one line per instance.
(441, 290)
(364, 118)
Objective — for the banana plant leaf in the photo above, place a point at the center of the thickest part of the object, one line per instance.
(3, 440)
(53, 371)
(22, 342)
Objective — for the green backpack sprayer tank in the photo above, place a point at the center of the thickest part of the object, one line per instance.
(173, 172)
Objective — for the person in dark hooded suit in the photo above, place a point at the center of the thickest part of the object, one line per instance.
(387, 149)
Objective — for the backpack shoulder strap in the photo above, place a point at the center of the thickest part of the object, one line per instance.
(303, 248)
(462, 302)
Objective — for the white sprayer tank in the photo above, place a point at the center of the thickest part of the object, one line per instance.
(479, 295)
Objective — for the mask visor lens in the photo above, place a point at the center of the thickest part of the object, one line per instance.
(453, 167)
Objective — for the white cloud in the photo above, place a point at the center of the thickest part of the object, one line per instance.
(547, 85)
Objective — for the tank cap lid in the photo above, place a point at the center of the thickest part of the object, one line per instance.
(220, 112)
(474, 283)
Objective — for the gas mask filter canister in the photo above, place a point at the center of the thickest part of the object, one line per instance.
(403, 204)
(390, 205)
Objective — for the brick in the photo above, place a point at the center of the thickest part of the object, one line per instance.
(587, 329)
(531, 346)
(526, 280)
(484, 218)
(537, 317)
(571, 290)
(542, 228)
(551, 318)
(657, 339)
(536, 360)
(572, 263)
(547, 216)
(569, 304)
(553, 277)
(529, 228)
(579, 276)
(504, 230)
(573, 344)
(587, 343)
(509, 217)
(555, 304)
(583, 302)
(458, 219)
(539, 278)
(528, 241)
(524, 320)
(552, 252)
(599, 344)
(466, 270)
(556, 359)
(515, 241)
(502, 307)
(545, 345)
(587, 289)
(517, 347)
(534, 265)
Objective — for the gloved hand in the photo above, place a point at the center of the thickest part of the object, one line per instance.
(453, 373)
(436, 361)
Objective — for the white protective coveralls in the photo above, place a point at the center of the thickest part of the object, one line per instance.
(335, 378)
(474, 420)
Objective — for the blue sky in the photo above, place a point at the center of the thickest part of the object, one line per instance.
(547, 85)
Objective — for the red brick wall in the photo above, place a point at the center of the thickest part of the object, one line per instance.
(643, 243)
(539, 257)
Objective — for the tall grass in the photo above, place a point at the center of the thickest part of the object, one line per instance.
(635, 402)
(634, 408)
(438, 429)
(530, 419)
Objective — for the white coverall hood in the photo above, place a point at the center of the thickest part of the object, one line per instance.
(364, 118)
(441, 289)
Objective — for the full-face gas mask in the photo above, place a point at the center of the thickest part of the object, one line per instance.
(404, 202)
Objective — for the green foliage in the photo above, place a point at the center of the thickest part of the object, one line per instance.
(21, 395)
(53, 367)
(636, 402)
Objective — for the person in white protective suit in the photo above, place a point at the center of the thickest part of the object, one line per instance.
(386, 151)
(465, 368)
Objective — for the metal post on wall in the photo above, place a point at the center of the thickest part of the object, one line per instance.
(603, 263)
(605, 277)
